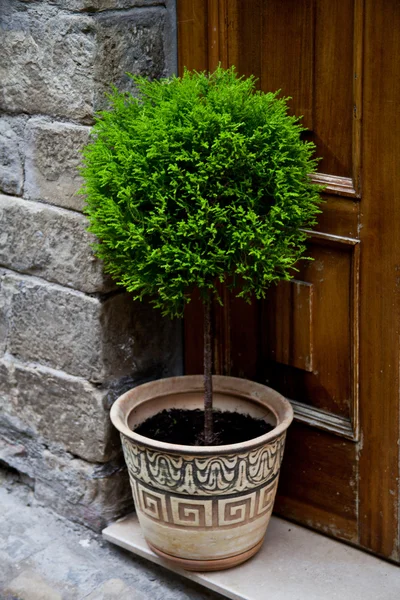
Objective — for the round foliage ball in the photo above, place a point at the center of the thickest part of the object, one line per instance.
(198, 179)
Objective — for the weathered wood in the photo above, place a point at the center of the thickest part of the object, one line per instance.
(319, 489)
(325, 375)
(292, 340)
(380, 281)
(337, 354)
(288, 61)
(192, 21)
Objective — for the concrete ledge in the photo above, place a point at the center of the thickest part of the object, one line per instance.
(294, 563)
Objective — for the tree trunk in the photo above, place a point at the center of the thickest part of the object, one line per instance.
(208, 394)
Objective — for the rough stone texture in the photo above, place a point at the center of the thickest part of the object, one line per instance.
(54, 326)
(67, 410)
(72, 560)
(60, 64)
(11, 155)
(4, 320)
(129, 42)
(90, 493)
(52, 161)
(87, 336)
(115, 589)
(69, 342)
(46, 60)
(93, 495)
(51, 243)
(100, 5)
(31, 586)
(4, 384)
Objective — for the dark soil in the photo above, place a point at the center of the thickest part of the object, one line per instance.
(178, 426)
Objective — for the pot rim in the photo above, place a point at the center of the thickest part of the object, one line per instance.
(259, 394)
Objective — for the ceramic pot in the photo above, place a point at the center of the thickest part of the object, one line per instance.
(204, 507)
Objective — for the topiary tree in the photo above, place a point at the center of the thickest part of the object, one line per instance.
(199, 179)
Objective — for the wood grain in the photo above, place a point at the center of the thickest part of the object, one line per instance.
(332, 383)
(192, 22)
(339, 217)
(333, 95)
(291, 342)
(245, 36)
(217, 33)
(321, 489)
(358, 48)
(287, 61)
(342, 186)
(380, 281)
(341, 470)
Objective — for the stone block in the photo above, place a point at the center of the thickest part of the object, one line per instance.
(99, 339)
(116, 589)
(11, 154)
(46, 60)
(60, 408)
(52, 161)
(92, 495)
(51, 243)
(129, 42)
(5, 388)
(54, 326)
(31, 586)
(100, 5)
(144, 344)
(59, 63)
(4, 319)
(88, 493)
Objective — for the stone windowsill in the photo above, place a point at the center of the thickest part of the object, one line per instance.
(293, 564)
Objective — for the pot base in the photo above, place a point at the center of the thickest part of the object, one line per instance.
(203, 566)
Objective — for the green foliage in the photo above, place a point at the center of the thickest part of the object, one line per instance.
(200, 179)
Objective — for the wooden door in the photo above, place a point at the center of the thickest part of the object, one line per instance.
(328, 340)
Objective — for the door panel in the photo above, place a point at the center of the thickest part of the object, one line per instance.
(311, 331)
(304, 339)
(320, 489)
(309, 50)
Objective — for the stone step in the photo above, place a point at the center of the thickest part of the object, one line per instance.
(294, 563)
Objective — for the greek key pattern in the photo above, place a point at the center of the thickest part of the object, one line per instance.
(191, 475)
(205, 512)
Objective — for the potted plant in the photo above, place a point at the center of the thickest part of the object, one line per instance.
(195, 181)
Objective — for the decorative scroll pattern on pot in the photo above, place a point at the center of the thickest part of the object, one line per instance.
(219, 474)
(203, 513)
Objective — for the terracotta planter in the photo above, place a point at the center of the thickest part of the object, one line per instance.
(204, 507)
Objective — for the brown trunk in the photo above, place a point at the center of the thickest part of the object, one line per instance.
(208, 399)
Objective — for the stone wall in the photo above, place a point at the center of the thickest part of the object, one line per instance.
(70, 343)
